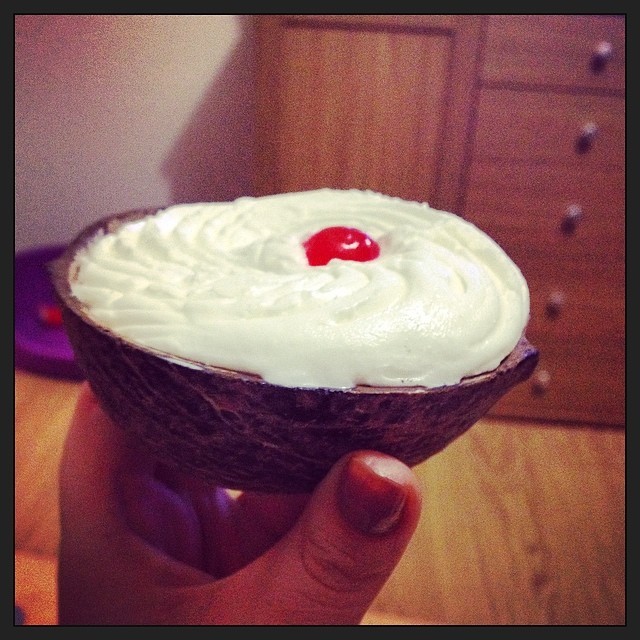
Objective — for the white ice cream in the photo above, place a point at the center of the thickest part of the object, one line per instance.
(229, 284)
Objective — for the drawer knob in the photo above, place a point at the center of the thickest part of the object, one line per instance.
(572, 217)
(555, 304)
(541, 382)
(602, 53)
(587, 136)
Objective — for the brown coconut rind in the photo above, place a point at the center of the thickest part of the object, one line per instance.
(235, 430)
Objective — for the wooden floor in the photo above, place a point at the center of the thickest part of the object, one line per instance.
(522, 524)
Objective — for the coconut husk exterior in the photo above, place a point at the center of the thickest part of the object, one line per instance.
(235, 430)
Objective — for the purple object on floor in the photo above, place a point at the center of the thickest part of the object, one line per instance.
(39, 347)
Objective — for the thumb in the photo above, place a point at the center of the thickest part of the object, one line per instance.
(333, 563)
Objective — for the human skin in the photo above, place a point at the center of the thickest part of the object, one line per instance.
(143, 544)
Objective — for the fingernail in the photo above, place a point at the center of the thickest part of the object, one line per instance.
(369, 498)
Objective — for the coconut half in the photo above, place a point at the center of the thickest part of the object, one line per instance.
(235, 430)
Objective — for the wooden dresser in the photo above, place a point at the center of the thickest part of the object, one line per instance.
(515, 122)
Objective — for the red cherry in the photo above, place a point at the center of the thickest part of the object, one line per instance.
(50, 315)
(344, 243)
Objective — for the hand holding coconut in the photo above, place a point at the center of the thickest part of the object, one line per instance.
(305, 349)
(142, 544)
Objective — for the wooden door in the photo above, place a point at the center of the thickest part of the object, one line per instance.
(364, 102)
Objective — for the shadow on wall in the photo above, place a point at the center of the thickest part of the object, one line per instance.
(212, 159)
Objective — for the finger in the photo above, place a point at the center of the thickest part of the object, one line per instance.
(94, 455)
(275, 512)
(332, 564)
(250, 526)
(103, 566)
(109, 484)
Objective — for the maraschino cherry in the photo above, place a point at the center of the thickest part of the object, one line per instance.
(344, 243)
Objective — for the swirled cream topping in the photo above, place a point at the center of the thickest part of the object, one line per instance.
(230, 285)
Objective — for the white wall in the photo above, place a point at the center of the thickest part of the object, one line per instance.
(114, 112)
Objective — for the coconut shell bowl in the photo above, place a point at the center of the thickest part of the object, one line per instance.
(235, 430)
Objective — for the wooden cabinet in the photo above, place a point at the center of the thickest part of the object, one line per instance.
(546, 179)
(557, 51)
(515, 122)
(377, 102)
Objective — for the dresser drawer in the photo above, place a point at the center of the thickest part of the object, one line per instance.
(577, 380)
(576, 276)
(556, 50)
(527, 126)
(525, 212)
(569, 303)
(544, 210)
